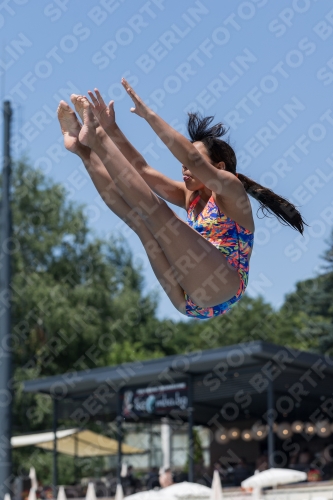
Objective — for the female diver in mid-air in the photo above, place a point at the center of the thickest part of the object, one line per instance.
(203, 263)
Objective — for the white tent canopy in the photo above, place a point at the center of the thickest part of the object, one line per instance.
(75, 442)
(41, 437)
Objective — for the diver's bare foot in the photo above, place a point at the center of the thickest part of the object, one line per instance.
(77, 101)
(70, 128)
(88, 133)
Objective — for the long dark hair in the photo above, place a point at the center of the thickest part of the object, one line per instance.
(199, 129)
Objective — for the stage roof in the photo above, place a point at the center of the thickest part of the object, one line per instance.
(233, 378)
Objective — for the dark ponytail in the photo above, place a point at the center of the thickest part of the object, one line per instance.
(219, 150)
(285, 211)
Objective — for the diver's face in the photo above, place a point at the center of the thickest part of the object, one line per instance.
(192, 183)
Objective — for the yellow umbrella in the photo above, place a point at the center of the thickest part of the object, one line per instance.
(89, 444)
(77, 443)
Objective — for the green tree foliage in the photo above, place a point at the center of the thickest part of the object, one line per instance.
(251, 319)
(313, 302)
(198, 454)
(77, 300)
(197, 448)
(74, 296)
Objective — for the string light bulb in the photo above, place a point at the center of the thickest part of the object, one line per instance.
(297, 427)
(234, 433)
(323, 428)
(309, 428)
(247, 435)
(259, 432)
(284, 430)
(221, 436)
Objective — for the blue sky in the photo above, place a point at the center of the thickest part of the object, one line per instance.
(264, 68)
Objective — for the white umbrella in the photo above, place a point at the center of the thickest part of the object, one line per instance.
(91, 494)
(119, 493)
(185, 490)
(124, 468)
(33, 477)
(32, 494)
(216, 492)
(177, 491)
(166, 443)
(256, 494)
(61, 493)
(273, 477)
(34, 484)
(144, 495)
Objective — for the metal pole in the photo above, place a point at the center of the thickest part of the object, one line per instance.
(55, 453)
(5, 314)
(76, 468)
(119, 436)
(150, 464)
(190, 431)
(270, 423)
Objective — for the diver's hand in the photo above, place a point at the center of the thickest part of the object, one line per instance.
(140, 108)
(105, 114)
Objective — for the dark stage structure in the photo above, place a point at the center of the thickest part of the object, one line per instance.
(273, 388)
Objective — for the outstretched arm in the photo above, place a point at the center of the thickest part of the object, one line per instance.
(219, 181)
(228, 191)
(168, 189)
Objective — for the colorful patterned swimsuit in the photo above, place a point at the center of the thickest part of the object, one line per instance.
(233, 240)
